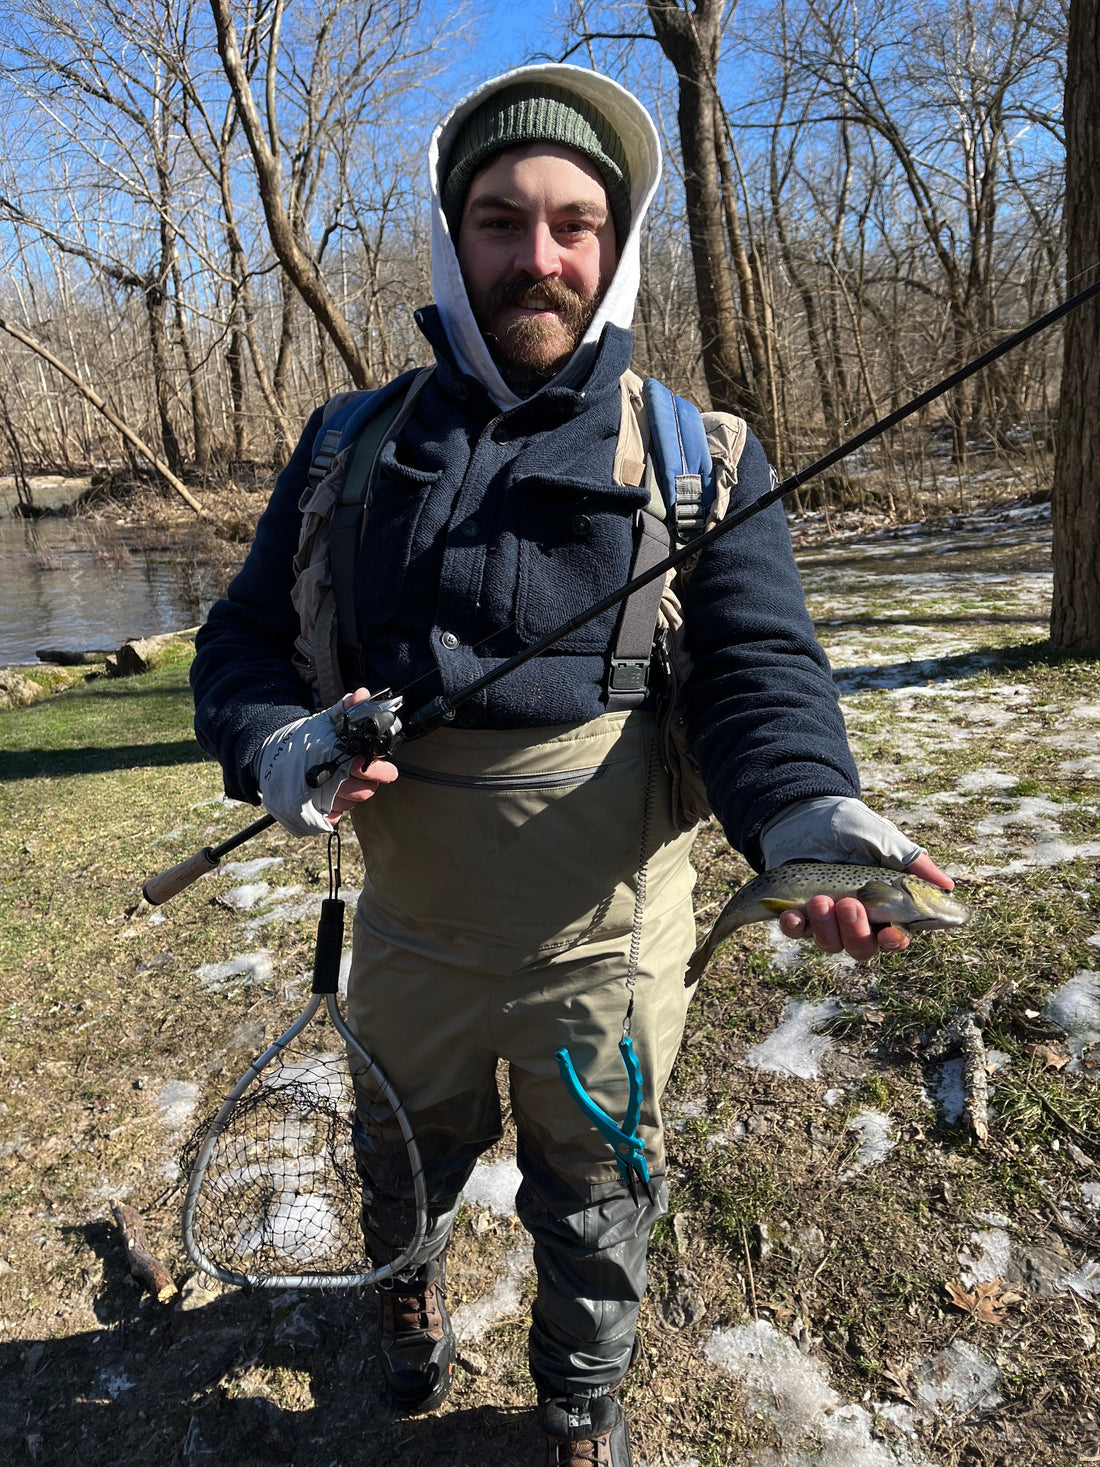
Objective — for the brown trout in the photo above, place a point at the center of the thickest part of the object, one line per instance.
(894, 897)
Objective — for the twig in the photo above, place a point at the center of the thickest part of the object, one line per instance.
(964, 1035)
(748, 1265)
(143, 1265)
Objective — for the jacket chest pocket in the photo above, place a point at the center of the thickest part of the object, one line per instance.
(396, 506)
(572, 553)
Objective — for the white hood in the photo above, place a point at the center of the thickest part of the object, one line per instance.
(642, 147)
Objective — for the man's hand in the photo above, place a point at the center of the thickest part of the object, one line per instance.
(292, 753)
(362, 779)
(843, 926)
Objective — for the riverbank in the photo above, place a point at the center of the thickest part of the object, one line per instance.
(849, 1276)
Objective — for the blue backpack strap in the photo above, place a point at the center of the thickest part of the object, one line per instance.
(681, 458)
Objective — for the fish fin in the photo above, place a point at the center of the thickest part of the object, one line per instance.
(778, 905)
(876, 891)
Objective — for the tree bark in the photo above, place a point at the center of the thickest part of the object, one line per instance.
(1075, 609)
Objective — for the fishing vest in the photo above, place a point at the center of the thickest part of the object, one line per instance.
(687, 459)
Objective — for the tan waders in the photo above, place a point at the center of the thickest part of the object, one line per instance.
(521, 887)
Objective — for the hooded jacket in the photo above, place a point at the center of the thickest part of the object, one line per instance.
(495, 519)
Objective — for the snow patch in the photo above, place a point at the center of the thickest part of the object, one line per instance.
(243, 971)
(246, 870)
(985, 779)
(795, 1047)
(471, 1321)
(1085, 1282)
(987, 1258)
(1076, 1008)
(245, 897)
(793, 1392)
(873, 1128)
(176, 1103)
(493, 1185)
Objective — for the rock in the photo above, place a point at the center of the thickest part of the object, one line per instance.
(472, 1362)
(17, 691)
(684, 1303)
(140, 654)
(810, 1244)
(1037, 1270)
(197, 1292)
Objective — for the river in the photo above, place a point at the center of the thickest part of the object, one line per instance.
(81, 585)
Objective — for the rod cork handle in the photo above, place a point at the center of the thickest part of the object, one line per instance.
(177, 878)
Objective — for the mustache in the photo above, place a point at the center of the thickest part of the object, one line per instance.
(522, 290)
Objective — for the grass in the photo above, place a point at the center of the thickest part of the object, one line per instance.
(100, 1012)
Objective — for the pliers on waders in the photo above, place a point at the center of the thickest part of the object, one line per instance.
(628, 1146)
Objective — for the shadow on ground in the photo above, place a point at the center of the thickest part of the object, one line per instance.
(192, 1385)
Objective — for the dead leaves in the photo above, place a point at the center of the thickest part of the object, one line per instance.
(986, 1303)
(1052, 1056)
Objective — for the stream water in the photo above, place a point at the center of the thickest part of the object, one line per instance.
(68, 584)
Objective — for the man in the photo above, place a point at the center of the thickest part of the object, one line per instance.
(528, 885)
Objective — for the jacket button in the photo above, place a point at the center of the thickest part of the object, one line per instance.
(581, 524)
(468, 528)
(449, 640)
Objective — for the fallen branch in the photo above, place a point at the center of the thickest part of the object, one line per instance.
(143, 1265)
(112, 417)
(964, 1036)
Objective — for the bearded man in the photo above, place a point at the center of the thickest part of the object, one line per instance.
(528, 884)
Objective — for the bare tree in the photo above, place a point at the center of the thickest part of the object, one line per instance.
(1075, 612)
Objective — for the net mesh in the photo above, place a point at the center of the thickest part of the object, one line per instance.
(279, 1195)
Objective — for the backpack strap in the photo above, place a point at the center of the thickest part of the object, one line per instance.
(680, 474)
(681, 458)
(362, 423)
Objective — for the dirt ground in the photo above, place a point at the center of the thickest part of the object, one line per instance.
(848, 1277)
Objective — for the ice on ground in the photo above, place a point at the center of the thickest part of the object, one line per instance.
(679, 1112)
(323, 1076)
(243, 971)
(176, 1103)
(113, 1383)
(792, 1392)
(795, 1047)
(985, 779)
(284, 909)
(246, 870)
(1087, 768)
(873, 1128)
(1076, 1008)
(1085, 710)
(1085, 1282)
(948, 1091)
(787, 952)
(493, 1185)
(958, 1381)
(1094, 940)
(1090, 1191)
(301, 1227)
(987, 1257)
(470, 1321)
(246, 897)
(1033, 812)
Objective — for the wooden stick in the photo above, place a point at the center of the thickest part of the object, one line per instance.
(143, 1265)
(963, 1036)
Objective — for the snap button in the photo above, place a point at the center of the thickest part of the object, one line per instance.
(468, 528)
(449, 640)
(581, 524)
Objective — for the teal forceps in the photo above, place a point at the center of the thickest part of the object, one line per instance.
(628, 1146)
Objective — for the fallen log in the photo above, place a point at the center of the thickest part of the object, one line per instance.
(142, 1264)
(963, 1036)
(63, 657)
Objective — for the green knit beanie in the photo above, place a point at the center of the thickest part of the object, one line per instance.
(537, 113)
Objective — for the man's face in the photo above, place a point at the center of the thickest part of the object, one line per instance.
(536, 244)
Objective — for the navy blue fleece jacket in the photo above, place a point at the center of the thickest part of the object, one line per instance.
(488, 530)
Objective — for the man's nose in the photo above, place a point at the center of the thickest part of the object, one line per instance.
(538, 254)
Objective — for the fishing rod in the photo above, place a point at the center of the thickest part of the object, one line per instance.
(373, 728)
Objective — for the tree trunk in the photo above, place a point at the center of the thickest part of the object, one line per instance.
(1075, 611)
(691, 41)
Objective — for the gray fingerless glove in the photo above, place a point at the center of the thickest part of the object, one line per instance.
(281, 768)
(835, 828)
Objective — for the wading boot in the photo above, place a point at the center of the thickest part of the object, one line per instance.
(417, 1343)
(585, 1431)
